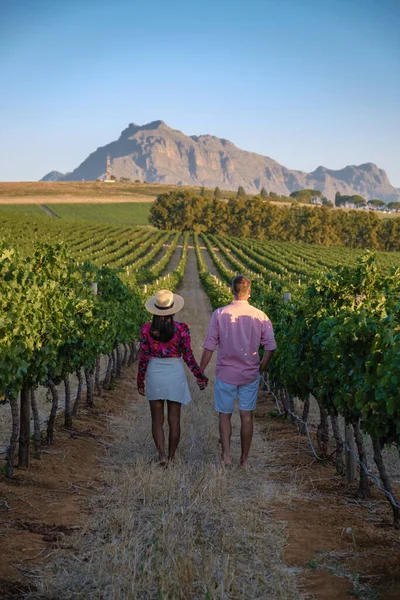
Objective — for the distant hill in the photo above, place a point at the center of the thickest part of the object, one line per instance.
(158, 154)
(53, 176)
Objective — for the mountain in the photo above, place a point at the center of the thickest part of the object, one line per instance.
(53, 176)
(158, 154)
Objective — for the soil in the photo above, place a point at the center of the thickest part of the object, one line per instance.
(41, 507)
(341, 546)
(338, 546)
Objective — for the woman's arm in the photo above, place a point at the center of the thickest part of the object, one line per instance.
(188, 356)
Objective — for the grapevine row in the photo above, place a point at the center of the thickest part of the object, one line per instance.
(339, 341)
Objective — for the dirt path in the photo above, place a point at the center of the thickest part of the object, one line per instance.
(49, 211)
(42, 507)
(209, 261)
(175, 258)
(194, 530)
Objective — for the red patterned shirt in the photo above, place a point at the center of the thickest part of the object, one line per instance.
(178, 346)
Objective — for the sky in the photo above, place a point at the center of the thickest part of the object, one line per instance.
(305, 82)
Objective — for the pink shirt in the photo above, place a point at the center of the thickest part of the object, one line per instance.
(238, 330)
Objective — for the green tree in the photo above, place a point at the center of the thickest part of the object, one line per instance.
(202, 191)
(240, 193)
(377, 203)
(306, 196)
(358, 200)
(217, 193)
(394, 206)
(264, 194)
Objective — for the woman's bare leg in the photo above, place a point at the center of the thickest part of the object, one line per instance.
(157, 422)
(174, 422)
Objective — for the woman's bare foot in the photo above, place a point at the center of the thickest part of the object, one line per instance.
(226, 461)
(163, 461)
(243, 463)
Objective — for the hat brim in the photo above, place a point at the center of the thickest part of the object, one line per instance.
(176, 307)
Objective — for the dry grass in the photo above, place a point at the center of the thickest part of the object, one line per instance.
(82, 191)
(194, 530)
(71, 199)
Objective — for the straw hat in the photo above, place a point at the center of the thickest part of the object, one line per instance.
(164, 303)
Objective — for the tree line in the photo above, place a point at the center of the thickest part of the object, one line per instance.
(256, 218)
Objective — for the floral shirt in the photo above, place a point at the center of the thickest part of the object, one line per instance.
(179, 345)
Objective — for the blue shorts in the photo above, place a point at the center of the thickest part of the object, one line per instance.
(225, 396)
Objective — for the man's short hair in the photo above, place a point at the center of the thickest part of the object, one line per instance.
(241, 285)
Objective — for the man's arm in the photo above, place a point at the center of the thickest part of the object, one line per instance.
(205, 359)
(265, 359)
(211, 341)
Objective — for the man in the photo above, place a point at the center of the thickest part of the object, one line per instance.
(238, 330)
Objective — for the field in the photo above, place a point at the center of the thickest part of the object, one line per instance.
(25, 209)
(289, 526)
(135, 213)
(35, 191)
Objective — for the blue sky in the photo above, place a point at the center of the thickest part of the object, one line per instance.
(305, 82)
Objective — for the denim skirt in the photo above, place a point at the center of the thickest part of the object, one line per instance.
(166, 380)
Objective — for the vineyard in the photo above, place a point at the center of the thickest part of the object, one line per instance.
(72, 298)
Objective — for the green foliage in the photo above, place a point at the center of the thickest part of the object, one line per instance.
(338, 339)
(26, 209)
(340, 342)
(51, 323)
(308, 196)
(264, 193)
(394, 206)
(240, 193)
(217, 193)
(252, 217)
(375, 202)
(343, 200)
(117, 213)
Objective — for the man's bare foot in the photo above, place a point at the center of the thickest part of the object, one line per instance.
(163, 461)
(243, 463)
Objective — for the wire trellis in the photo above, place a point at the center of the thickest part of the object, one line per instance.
(374, 478)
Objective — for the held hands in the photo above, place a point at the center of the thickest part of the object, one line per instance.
(202, 383)
(141, 390)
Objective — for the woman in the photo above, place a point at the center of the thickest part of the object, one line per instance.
(162, 344)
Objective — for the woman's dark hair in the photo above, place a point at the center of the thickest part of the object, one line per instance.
(162, 328)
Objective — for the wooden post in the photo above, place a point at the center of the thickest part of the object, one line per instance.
(286, 297)
(350, 461)
(24, 429)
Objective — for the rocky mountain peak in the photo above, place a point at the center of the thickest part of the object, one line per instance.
(133, 128)
(156, 153)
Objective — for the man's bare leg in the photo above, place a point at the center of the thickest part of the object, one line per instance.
(246, 434)
(157, 422)
(174, 422)
(225, 433)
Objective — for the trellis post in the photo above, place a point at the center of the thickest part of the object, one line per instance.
(350, 460)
